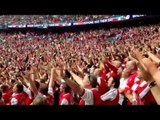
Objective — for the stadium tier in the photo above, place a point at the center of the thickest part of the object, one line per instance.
(115, 65)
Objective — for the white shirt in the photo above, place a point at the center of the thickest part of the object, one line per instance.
(27, 91)
(50, 91)
(145, 91)
(110, 95)
(123, 83)
(99, 80)
(64, 102)
(88, 97)
(14, 101)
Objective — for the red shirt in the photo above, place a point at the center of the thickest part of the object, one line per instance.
(81, 102)
(131, 79)
(20, 97)
(130, 82)
(96, 94)
(29, 100)
(147, 97)
(110, 74)
(102, 88)
(112, 67)
(96, 97)
(50, 100)
(66, 96)
(6, 97)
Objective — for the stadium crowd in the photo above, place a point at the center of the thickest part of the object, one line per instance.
(50, 19)
(96, 67)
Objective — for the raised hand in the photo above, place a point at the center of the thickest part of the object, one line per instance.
(136, 54)
(145, 72)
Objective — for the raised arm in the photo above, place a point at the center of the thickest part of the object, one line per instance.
(51, 81)
(30, 78)
(150, 74)
(150, 68)
(112, 67)
(154, 58)
(74, 85)
(76, 78)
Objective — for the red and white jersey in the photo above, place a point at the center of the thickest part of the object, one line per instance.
(91, 97)
(145, 94)
(112, 67)
(81, 102)
(29, 98)
(142, 89)
(132, 79)
(132, 84)
(65, 99)
(111, 97)
(141, 92)
(17, 99)
(111, 74)
(50, 96)
(135, 85)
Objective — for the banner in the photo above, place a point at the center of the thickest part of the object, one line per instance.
(59, 24)
(38, 26)
(83, 23)
(114, 18)
(135, 16)
(17, 26)
(103, 21)
(91, 22)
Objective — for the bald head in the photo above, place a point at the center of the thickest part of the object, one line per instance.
(131, 66)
